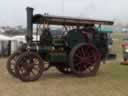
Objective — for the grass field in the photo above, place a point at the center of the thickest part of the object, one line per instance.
(111, 80)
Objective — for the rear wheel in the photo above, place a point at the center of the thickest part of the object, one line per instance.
(84, 59)
(11, 62)
(29, 66)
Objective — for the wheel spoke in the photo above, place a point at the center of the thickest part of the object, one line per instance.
(89, 69)
(22, 71)
(36, 69)
(33, 73)
(86, 50)
(76, 55)
(85, 67)
(83, 53)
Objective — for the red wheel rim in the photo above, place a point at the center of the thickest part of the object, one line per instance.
(85, 59)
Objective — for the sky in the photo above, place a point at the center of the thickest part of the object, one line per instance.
(13, 13)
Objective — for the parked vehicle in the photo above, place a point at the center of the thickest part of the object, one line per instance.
(78, 51)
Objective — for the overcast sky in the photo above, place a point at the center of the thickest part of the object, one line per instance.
(12, 12)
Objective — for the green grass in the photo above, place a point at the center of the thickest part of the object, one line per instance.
(111, 80)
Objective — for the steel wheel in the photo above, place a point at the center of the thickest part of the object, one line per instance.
(11, 62)
(84, 60)
(64, 69)
(29, 66)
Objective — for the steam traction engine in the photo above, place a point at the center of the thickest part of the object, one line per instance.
(79, 50)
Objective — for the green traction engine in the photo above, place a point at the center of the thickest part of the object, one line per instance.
(77, 48)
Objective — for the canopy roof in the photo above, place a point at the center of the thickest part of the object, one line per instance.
(60, 20)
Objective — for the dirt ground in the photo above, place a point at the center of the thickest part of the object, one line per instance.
(111, 80)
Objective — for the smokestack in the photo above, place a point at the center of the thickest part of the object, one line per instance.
(29, 24)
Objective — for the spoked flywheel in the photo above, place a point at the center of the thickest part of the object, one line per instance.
(64, 69)
(29, 66)
(84, 59)
(11, 62)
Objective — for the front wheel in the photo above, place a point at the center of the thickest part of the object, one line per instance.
(29, 66)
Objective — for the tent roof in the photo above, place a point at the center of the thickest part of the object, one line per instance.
(3, 37)
(22, 38)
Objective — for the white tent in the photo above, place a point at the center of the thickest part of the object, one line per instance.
(4, 38)
(20, 38)
(16, 41)
(4, 42)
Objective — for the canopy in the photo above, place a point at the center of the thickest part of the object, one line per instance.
(61, 20)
